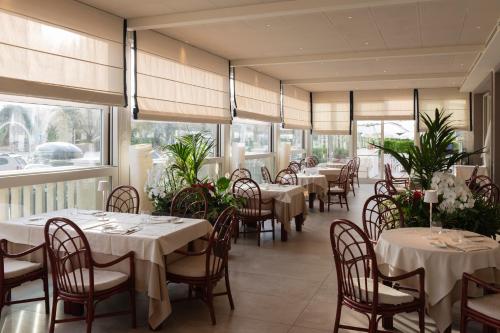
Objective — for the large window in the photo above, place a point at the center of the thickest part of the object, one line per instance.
(329, 147)
(41, 134)
(296, 139)
(254, 134)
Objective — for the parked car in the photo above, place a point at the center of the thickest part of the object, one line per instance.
(11, 162)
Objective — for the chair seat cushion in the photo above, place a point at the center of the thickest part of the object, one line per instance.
(386, 294)
(488, 305)
(336, 189)
(103, 279)
(15, 268)
(190, 266)
(255, 212)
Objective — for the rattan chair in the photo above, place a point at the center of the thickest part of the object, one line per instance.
(396, 182)
(380, 213)
(310, 162)
(339, 188)
(477, 182)
(485, 309)
(286, 177)
(123, 199)
(473, 175)
(190, 202)
(352, 174)
(295, 166)
(381, 187)
(254, 211)
(490, 193)
(357, 163)
(78, 278)
(266, 175)
(202, 270)
(240, 173)
(16, 270)
(361, 285)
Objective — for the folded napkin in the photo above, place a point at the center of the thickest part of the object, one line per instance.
(470, 246)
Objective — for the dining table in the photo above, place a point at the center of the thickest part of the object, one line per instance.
(111, 235)
(332, 174)
(445, 256)
(316, 186)
(289, 203)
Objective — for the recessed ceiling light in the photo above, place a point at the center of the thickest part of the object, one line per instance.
(349, 17)
(385, 71)
(268, 25)
(366, 43)
(301, 48)
(478, 27)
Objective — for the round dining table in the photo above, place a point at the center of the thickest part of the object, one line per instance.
(445, 257)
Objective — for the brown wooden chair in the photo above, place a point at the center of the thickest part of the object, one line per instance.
(339, 188)
(357, 163)
(240, 173)
(478, 181)
(381, 187)
(16, 270)
(485, 309)
(123, 199)
(360, 283)
(401, 182)
(286, 177)
(302, 163)
(381, 212)
(310, 162)
(352, 174)
(78, 278)
(473, 175)
(190, 202)
(315, 159)
(254, 211)
(202, 270)
(489, 193)
(266, 175)
(295, 166)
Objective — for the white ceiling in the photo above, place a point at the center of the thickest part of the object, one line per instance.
(395, 25)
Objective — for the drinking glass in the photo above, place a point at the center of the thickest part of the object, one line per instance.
(145, 216)
(436, 227)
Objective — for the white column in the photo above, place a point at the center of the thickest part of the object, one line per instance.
(4, 204)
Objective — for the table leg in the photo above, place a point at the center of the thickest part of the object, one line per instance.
(388, 322)
(321, 205)
(74, 309)
(299, 220)
(284, 234)
(312, 196)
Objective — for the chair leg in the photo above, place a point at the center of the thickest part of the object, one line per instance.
(53, 313)
(273, 225)
(2, 300)
(463, 322)
(340, 200)
(90, 316)
(9, 295)
(357, 179)
(421, 320)
(337, 316)
(346, 203)
(46, 292)
(352, 186)
(228, 287)
(372, 328)
(329, 200)
(259, 228)
(133, 308)
(210, 303)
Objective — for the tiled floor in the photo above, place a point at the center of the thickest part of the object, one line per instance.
(279, 287)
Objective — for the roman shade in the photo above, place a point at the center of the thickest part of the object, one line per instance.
(296, 108)
(390, 104)
(178, 82)
(61, 49)
(331, 113)
(451, 100)
(257, 95)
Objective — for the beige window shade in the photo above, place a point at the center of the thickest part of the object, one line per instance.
(296, 108)
(331, 113)
(61, 50)
(257, 95)
(178, 82)
(391, 104)
(451, 100)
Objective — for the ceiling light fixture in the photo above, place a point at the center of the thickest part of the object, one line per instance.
(349, 17)
(478, 27)
(366, 43)
(268, 25)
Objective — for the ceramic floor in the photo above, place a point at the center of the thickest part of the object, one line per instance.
(277, 288)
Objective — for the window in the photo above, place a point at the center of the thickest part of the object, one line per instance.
(254, 134)
(41, 134)
(327, 147)
(159, 134)
(296, 139)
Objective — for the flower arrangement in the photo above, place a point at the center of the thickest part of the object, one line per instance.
(161, 186)
(454, 194)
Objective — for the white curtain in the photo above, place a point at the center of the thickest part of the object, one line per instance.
(451, 100)
(257, 95)
(390, 104)
(61, 50)
(296, 108)
(178, 82)
(331, 113)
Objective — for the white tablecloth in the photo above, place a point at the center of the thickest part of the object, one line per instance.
(465, 171)
(289, 202)
(150, 245)
(314, 184)
(331, 173)
(407, 249)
